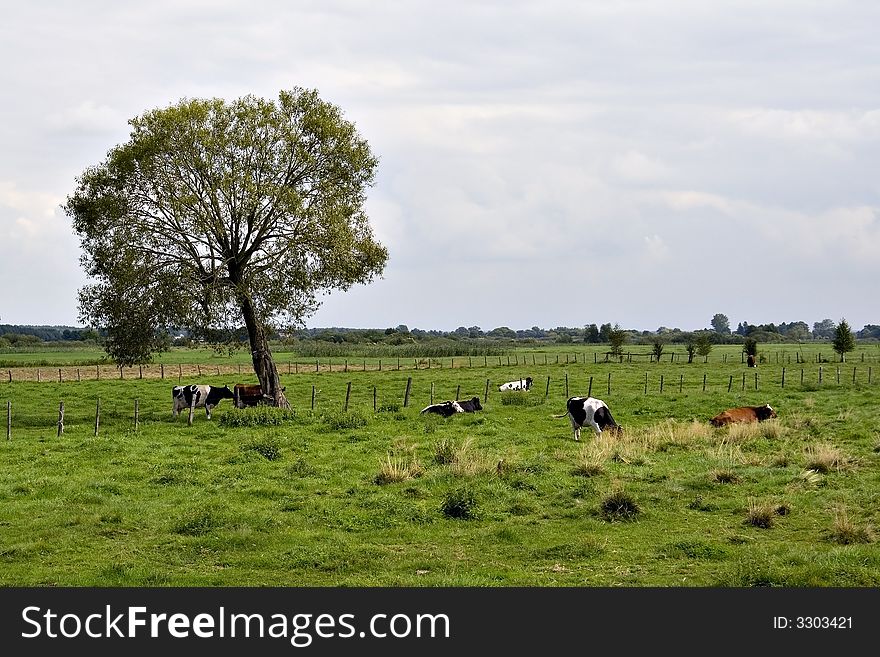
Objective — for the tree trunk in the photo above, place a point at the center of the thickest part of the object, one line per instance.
(264, 365)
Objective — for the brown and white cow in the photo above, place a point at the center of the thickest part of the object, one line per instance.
(743, 414)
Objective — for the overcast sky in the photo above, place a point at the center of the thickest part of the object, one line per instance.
(553, 163)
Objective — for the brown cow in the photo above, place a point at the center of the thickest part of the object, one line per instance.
(750, 361)
(743, 414)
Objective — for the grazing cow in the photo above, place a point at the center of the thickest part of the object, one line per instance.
(522, 384)
(445, 409)
(750, 361)
(206, 397)
(587, 411)
(743, 414)
(250, 395)
(470, 405)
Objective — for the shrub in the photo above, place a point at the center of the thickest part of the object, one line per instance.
(619, 505)
(460, 504)
(258, 416)
(520, 398)
(266, 447)
(346, 420)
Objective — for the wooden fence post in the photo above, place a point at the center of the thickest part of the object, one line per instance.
(9, 372)
(458, 391)
(744, 381)
(854, 376)
(432, 392)
(646, 383)
(59, 375)
(590, 390)
(77, 375)
(347, 396)
(39, 376)
(838, 375)
(98, 372)
(680, 382)
(406, 393)
(141, 371)
(783, 377)
(704, 382)
(756, 380)
(820, 374)
(566, 385)
(60, 419)
(313, 397)
(661, 384)
(179, 372)
(199, 369)
(136, 413)
(730, 383)
(162, 370)
(98, 414)
(486, 392)
(609, 383)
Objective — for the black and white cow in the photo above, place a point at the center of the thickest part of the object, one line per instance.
(445, 409)
(206, 397)
(448, 408)
(522, 384)
(470, 405)
(587, 411)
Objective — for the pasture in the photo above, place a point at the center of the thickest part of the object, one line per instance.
(502, 497)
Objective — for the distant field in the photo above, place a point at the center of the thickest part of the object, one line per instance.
(503, 497)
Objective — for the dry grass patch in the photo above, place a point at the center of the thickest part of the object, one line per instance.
(760, 514)
(463, 460)
(399, 465)
(825, 458)
(845, 530)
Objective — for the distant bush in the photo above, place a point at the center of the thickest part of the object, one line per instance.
(520, 398)
(258, 416)
(266, 447)
(346, 420)
(619, 505)
(460, 504)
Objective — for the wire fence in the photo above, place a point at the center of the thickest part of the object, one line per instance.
(178, 372)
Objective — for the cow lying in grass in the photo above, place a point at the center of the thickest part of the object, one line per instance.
(522, 384)
(743, 414)
(588, 411)
(448, 408)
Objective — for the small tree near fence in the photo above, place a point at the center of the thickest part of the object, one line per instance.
(844, 340)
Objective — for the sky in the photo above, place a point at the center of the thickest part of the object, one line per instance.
(555, 163)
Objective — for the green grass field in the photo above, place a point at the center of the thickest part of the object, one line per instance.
(502, 497)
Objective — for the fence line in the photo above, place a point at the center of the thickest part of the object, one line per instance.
(74, 373)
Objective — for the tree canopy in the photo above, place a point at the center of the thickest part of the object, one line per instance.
(225, 217)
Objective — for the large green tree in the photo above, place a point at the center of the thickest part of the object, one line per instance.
(227, 218)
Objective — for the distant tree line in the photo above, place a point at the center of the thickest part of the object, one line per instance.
(606, 333)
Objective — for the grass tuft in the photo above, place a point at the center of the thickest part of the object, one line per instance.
(619, 506)
(460, 504)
